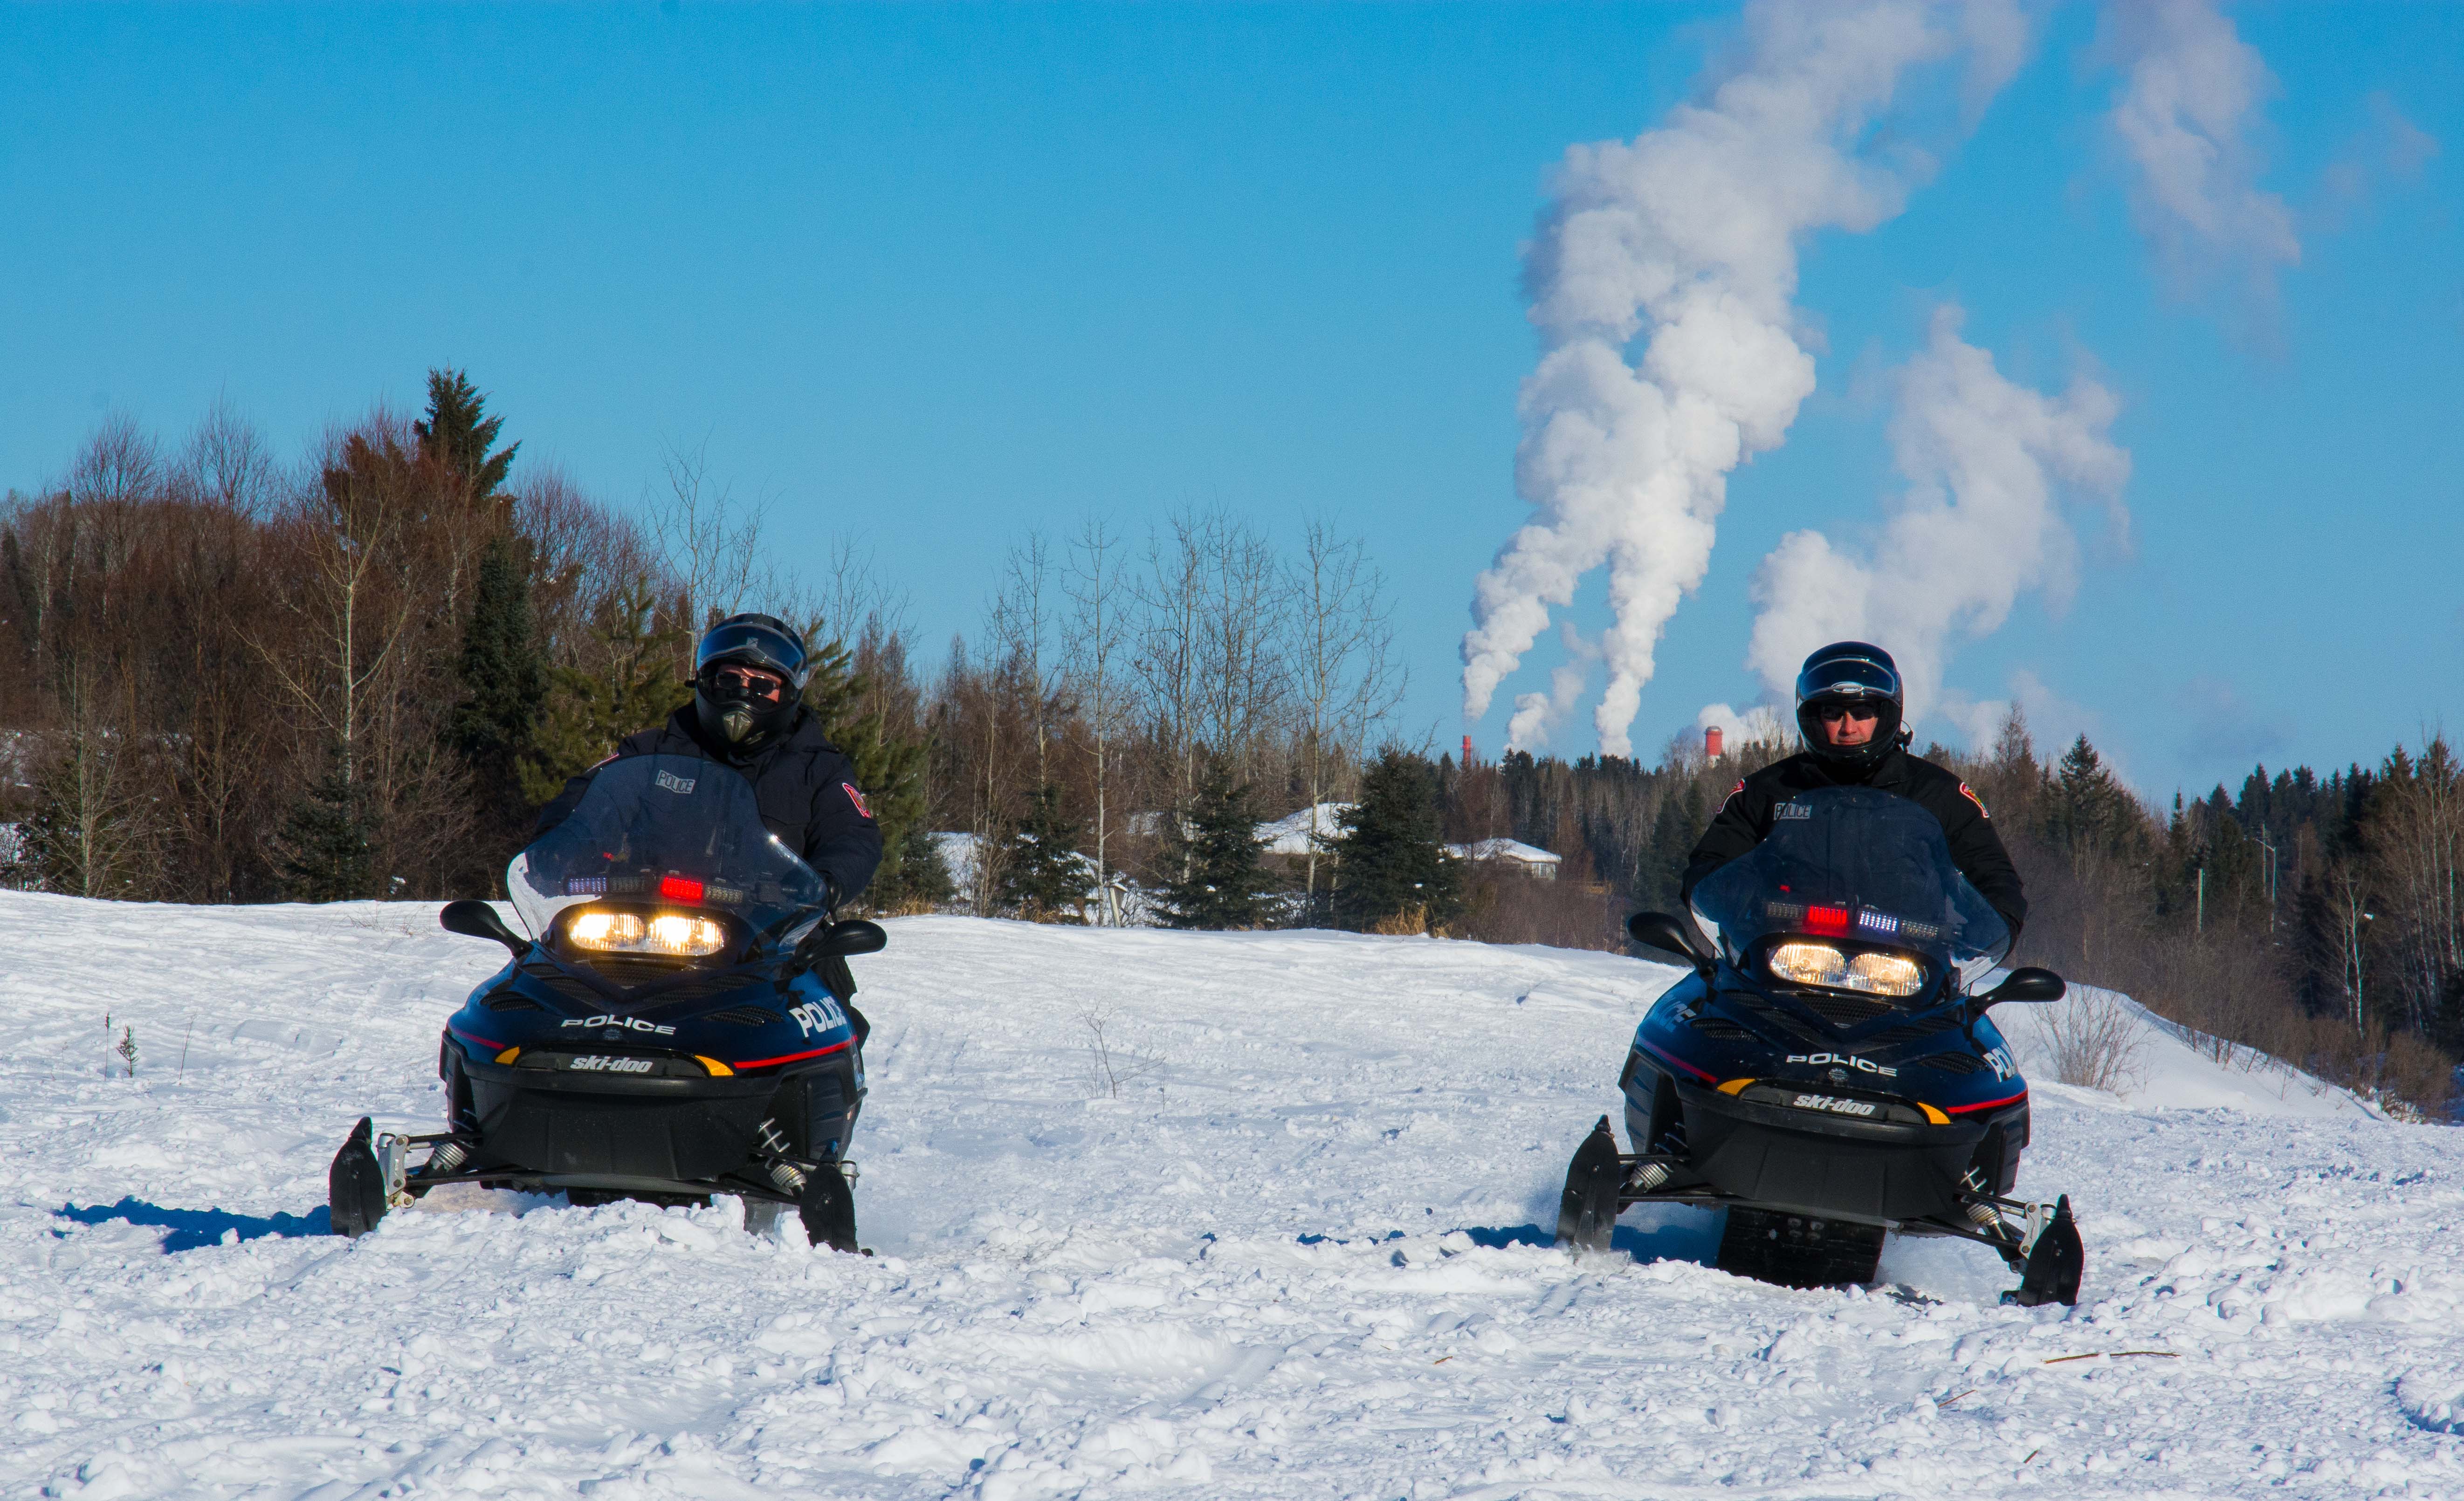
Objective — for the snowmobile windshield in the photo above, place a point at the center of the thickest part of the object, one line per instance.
(671, 831)
(1854, 875)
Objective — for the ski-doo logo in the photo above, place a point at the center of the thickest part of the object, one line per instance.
(1843, 1061)
(607, 1065)
(816, 1017)
(628, 1023)
(1834, 1105)
(1788, 810)
(2004, 1066)
(682, 786)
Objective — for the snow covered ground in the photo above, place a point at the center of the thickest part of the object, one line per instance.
(1298, 1254)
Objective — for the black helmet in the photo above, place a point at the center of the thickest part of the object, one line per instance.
(1850, 672)
(734, 716)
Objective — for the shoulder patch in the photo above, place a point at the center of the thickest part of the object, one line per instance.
(855, 797)
(1969, 792)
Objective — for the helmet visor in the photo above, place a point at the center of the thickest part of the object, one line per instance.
(755, 644)
(1847, 678)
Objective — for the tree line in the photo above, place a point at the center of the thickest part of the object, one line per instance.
(225, 677)
(230, 677)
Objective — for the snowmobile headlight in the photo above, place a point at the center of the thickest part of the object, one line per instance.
(1884, 974)
(673, 934)
(605, 930)
(1871, 973)
(1809, 963)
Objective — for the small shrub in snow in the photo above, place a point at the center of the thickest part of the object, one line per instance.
(2095, 1040)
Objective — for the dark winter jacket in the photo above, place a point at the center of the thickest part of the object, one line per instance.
(1746, 817)
(804, 784)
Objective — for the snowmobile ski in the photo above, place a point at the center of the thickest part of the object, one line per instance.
(355, 1185)
(2051, 1275)
(1587, 1211)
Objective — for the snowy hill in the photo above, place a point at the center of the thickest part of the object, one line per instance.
(1299, 1254)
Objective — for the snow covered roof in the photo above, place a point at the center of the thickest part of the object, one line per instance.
(1514, 851)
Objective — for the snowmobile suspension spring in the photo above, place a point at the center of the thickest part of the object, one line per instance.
(1986, 1216)
(789, 1178)
(447, 1156)
(1648, 1176)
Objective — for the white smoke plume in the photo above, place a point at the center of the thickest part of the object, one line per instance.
(1981, 522)
(1537, 715)
(2191, 98)
(1691, 231)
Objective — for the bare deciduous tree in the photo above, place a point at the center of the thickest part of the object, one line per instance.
(1099, 643)
(1344, 678)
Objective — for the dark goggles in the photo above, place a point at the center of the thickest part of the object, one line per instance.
(751, 643)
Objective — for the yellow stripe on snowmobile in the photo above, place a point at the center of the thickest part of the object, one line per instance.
(509, 1054)
(1932, 1115)
(717, 1070)
(1735, 1086)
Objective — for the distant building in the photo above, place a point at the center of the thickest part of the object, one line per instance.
(1528, 859)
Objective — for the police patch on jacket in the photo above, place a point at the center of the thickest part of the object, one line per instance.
(1969, 792)
(857, 799)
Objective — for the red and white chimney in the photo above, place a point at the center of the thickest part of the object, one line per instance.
(1711, 739)
(1466, 760)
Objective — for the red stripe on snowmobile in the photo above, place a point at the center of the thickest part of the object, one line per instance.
(1681, 1063)
(490, 1043)
(1961, 1110)
(795, 1057)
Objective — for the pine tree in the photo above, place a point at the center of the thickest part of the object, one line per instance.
(458, 434)
(632, 686)
(2086, 809)
(1044, 877)
(1215, 845)
(888, 769)
(503, 679)
(918, 875)
(1391, 861)
(322, 852)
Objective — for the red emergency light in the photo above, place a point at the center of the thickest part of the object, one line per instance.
(676, 888)
(1827, 921)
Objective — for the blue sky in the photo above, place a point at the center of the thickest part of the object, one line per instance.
(931, 275)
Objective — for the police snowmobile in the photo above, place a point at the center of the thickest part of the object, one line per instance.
(667, 1033)
(1826, 1073)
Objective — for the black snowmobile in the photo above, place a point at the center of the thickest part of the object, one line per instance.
(1825, 1075)
(667, 1032)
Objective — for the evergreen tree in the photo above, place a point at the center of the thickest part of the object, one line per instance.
(1391, 861)
(2086, 809)
(632, 685)
(1044, 878)
(888, 769)
(504, 681)
(916, 875)
(1223, 881)
(459, 432)
(322, 852)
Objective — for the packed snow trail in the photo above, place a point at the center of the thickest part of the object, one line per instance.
(1299, 1254)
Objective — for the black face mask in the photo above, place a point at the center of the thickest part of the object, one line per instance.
(736, 719)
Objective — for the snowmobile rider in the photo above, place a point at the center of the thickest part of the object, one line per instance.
(748, 712)
(1848, 703)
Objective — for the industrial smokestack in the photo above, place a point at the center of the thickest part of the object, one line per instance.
(1711, 743)
(1466, 760)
